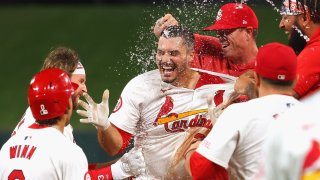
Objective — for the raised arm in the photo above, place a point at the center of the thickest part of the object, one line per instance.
(162, 23)
(97, 114)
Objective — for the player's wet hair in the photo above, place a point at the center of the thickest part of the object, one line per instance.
(313, 8)
(63, 58)
(180, 31)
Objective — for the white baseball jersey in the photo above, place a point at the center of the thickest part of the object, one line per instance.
(158, 114)
(43, 153)
(236, 140)
(292, 149)
(28, 119)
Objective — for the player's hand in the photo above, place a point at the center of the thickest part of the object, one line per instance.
(213, 110)
(96, 114)
(130, 164)
(162, 23)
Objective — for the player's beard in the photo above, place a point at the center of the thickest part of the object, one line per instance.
(297, 42)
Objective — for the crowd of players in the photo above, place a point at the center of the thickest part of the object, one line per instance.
(217, 107)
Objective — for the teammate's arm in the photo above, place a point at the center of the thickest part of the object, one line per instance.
(162, 23)
(113, 140)
(202, 168)
(97, 114)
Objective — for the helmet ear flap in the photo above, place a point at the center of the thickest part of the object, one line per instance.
(49, 93)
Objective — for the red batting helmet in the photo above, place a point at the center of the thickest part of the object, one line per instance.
(234, 15)
(49, 93)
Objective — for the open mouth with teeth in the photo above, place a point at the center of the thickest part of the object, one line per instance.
(167, 68)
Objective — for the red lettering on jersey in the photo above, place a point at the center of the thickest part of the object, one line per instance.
(32, 150)
(183, 125)
(18, 153)
(24, 151)
(15, 151)
(165, 108)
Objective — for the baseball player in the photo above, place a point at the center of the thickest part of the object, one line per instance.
(233, 50)
(158, 106)
(232, 149)
(67, 60)
(42, 151)
(244, 90)
(292, 148)
(304, 16)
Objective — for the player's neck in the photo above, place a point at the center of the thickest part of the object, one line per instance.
(189, 80)
(60, 124)
(270, 91)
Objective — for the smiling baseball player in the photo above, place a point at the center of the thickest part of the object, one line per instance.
(158, 106)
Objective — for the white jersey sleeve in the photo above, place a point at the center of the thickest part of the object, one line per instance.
(222, 140)
(126, 113)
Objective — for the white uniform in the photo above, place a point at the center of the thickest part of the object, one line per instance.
(236, 140)
(27, 120)
(292, 149)
(39, 154)
(146, 100)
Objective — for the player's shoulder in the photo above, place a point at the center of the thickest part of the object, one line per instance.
(150, 79)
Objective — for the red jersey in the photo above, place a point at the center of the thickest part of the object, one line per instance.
(308, 69)
(209, 56)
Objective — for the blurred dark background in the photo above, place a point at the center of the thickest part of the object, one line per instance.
(112, 37)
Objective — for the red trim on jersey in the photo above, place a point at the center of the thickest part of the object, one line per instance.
(37, 126)
(202, 168)
(92, 166)
(103, 173)
(208, 79)
(126, 137)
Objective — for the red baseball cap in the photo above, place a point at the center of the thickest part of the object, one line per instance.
(234, 15)
(276, 61)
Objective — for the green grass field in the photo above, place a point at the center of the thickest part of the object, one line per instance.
(114, 43)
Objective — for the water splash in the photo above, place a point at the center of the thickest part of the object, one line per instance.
(194, 14)
(305, 37)
(273, 5)
(293, 26)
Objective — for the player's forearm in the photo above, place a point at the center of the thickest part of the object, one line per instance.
(110, 140)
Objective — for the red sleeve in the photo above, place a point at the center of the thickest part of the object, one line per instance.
(208, 54)
(126, 137)
(202, 168)
(103, 173)
(306, 84)
(206, 44)
(308, 70)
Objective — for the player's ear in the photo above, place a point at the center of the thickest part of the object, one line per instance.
(190, 55)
